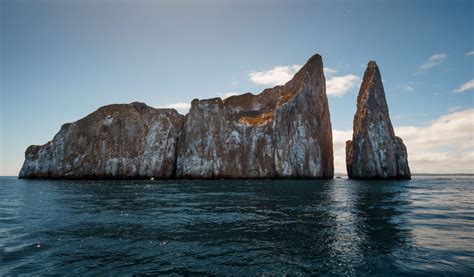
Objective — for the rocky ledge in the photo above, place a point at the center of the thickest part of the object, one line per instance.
(283, 132)
(129, 141)
(375, 152)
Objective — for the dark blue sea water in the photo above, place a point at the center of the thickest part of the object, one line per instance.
(338, 227)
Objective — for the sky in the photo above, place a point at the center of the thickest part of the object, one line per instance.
(61, 60)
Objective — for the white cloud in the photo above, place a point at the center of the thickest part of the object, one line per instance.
(278, 75)
(433, 61)
(446, 145)
(467, 86)
(180, 107)
(338, 86)
(329, 71)
(339, 139)
(470, 53)
(227, 94)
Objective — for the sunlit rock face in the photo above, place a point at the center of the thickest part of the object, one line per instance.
(284, 131)
(375, 152)
(116, 141)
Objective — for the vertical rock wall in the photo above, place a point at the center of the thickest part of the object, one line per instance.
(375, 152)
(282, 132)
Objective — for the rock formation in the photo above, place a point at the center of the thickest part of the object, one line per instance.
(283, 132)
(116, 141)
(375, 152)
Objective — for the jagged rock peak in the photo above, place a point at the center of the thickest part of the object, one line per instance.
(284, 131)
(375, 152)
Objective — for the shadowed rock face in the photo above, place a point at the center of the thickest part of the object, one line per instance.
(283, 132)
(375, 152)
(116, 141)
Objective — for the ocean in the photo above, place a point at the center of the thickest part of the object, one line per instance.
(424, 226)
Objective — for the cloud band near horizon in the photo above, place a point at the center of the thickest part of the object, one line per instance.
(430, 147)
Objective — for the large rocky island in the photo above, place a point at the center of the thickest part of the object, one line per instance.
(283, 132)
(375, 152)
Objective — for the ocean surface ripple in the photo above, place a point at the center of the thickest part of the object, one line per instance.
(242, 227)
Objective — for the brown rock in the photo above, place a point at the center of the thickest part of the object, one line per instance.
(375, 152)
(116, 141)
(284, 131)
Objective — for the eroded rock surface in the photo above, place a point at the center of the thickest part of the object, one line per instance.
(284, 131)
(116, 141)
(375, 152)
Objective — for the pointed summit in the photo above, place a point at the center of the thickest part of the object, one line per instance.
(375, 152)
(285, 131)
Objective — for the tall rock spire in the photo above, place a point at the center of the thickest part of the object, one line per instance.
(375, 152)
(283, 132)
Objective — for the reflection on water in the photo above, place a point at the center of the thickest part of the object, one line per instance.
(345, 227)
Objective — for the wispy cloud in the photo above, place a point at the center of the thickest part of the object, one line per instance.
(180, 107)
(408, 87)
(433, 61)
(278, 75)
(338, 86)
(465, 87)
(227, 94)
(446, 145)
(329, 71)
(454, 109)
(470, 53)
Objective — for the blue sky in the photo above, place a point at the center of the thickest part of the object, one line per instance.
(61, 60)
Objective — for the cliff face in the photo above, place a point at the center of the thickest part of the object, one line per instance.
(282, 132)
(116, 141)
(375, 152)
